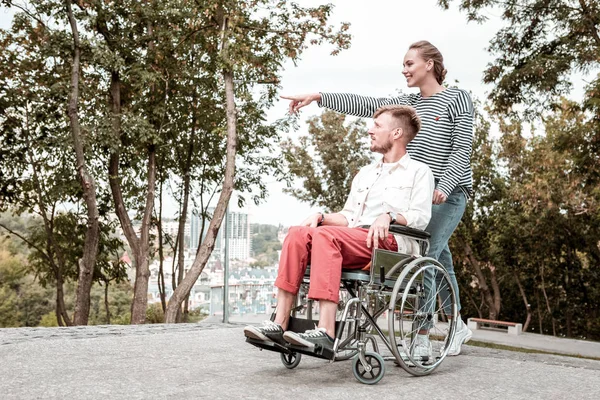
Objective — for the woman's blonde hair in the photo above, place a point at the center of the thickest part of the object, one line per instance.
(427, 51)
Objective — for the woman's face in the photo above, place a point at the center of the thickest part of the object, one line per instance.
(415, 68)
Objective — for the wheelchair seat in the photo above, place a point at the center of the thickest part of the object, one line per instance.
(348, 274)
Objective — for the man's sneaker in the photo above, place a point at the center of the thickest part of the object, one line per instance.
(310, 338)
(268, 332)
(463, 335)
(422, 349)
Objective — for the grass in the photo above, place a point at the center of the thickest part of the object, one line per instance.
(497, 346)
(524, 350)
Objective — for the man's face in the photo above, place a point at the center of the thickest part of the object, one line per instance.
(381, 133)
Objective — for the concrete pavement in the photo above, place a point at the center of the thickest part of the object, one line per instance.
(530, 341)
(211, 360)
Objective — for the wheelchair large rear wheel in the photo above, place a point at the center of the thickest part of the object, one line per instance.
(421, 303)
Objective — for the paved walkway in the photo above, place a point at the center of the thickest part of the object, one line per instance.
(211, 360)
(532, 341)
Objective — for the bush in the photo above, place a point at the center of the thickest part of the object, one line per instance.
(155, 314)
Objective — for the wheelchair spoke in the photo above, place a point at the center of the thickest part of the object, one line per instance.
(421, 302)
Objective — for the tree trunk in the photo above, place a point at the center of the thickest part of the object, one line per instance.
(90, 249)
(527, 305)
(495, 290)
(548, 302)
(138, 247)
(539, 312)
(472, 300)
(183, 217)
(62, 317)
(106, 307)
(53, 253)
(142, 272)
(161, 256)
(208, 244)
(483, 287)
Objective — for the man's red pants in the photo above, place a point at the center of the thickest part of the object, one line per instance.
(327, 249)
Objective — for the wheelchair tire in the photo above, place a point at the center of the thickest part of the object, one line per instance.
(377, 369)
(413, 309)
(291, 360)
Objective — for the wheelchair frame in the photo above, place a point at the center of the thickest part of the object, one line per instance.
(414, 291)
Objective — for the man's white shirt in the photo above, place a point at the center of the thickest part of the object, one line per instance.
(404, 187)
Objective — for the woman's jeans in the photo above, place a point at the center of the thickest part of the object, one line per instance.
(444, 220)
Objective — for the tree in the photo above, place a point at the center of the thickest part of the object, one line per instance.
(151, 109)
(540, 231)
(327, 159)
(88, 186)
(252, 44)
(543, 43)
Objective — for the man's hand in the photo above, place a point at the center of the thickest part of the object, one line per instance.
(439, 197)
(378, 230)
(312, 221)
(302, 100)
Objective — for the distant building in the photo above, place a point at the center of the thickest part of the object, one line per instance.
(251, 291)
(238, 233)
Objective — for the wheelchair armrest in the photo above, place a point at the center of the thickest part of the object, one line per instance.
(405, 230)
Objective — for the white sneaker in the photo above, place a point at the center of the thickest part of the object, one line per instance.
(422, 349)
(463, 335)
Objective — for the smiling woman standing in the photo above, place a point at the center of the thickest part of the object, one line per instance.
(444, 143)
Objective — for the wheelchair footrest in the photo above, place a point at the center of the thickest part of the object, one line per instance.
(317, 351)
(271, 346)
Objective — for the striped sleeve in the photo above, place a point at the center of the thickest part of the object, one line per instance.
(356, 105)
(460, 112)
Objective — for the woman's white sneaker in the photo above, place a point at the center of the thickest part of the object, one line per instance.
(463, 335)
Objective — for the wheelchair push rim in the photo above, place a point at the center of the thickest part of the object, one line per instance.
(415, 308)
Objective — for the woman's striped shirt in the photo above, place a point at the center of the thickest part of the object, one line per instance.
(445, 140)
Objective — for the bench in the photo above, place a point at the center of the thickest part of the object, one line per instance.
(477, 323)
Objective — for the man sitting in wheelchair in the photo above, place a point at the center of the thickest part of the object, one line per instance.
(394, 190)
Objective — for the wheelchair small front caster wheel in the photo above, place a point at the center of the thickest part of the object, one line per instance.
(375, 361)
(290, 360)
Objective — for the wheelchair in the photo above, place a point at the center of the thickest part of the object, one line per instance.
(412, 292)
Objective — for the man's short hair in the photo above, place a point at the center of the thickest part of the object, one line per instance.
(405, 115)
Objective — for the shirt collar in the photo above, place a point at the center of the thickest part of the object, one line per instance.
(403, 162)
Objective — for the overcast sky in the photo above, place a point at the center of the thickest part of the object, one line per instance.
(382, 31)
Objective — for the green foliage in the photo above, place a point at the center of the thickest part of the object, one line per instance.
(534, 221)
(327, 159)
(49, 320)
(541, 45)
(151, 87)
(265, 245)
(22, 300)
(155, 314)
(119, 304)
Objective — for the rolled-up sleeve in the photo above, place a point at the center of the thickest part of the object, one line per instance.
(418, 213)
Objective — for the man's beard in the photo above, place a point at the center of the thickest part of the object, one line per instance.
(384, 148)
